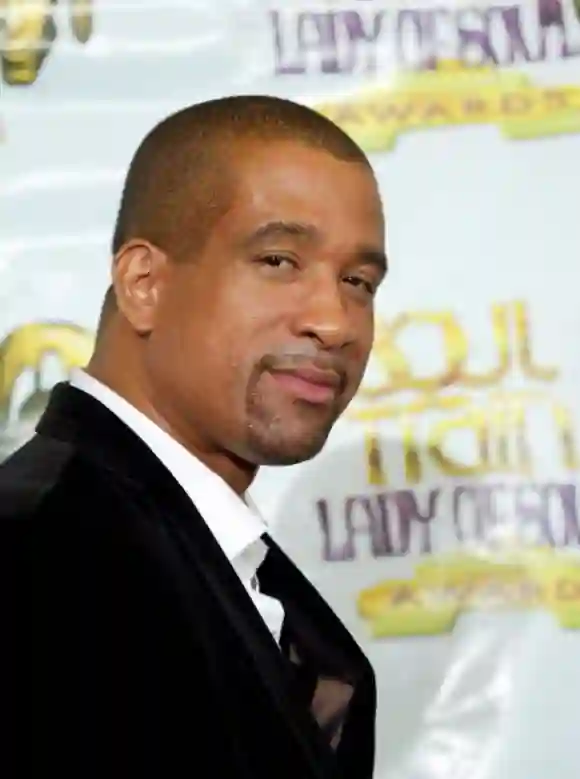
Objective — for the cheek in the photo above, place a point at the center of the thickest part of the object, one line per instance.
(219, 357)
(366, 350)
(365, 340)
(359, 362)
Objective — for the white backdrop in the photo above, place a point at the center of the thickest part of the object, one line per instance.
(441, 521)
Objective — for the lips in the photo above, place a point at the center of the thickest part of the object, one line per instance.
(309, 384)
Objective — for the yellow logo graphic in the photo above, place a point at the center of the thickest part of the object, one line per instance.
(492, 404)
(27, 346)
(443, 588)
(22, 357)
(28, 31)
(456, 94)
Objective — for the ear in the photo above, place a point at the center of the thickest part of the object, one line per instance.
(139, 271)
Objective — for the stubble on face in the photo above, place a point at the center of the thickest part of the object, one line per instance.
(242, 315)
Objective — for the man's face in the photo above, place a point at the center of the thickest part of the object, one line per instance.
(261, 341)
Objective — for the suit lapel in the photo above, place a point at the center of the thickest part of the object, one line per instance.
(77, 418)
(267, 661)
(332, 675)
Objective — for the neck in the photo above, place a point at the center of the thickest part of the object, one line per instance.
(127, 382)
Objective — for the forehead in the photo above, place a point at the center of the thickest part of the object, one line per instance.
(291, 182)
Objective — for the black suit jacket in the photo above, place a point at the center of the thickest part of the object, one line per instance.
(129, 646)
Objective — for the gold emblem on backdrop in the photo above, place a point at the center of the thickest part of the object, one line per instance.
(24, 387)
(28, 32)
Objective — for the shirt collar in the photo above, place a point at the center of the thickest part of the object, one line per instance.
(234, 522)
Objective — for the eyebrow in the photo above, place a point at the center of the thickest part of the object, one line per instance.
(279, 229)
(377, 258)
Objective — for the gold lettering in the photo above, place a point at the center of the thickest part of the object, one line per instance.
(524, 347)
(501, 338)
(475, 106)
(524, 454)
(514, 103)
(411, 456)
(567, 590)
(389, 356)
(565, 428)
(404, 595)
(421, 405)
(343, 114)
(500, 421)
(514, 406)
(374, 460)
(476, 422)
(500, 428)
(556, 99)
(436, 113)
(377, 474)
(510, 449)
(396, 112)
(392, 360)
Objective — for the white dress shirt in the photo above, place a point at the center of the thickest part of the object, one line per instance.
(235, 523)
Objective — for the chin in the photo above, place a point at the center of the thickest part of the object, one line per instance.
(286, 458)
(276, 453)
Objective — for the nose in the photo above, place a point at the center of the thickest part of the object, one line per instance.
(323, 315)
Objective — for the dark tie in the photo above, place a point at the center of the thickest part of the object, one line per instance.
(305, 649)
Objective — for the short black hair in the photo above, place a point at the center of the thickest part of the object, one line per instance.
(177, 183)
(177, 179)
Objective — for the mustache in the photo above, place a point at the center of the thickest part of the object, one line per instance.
(295, 357)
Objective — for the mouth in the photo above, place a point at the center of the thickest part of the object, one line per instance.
(309, 384)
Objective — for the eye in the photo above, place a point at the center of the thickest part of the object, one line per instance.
(363, 284)
(277, 261)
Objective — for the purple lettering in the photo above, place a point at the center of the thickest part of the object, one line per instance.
(284, 36)
(568, 499)
(374, 522)
(345, 41)
(550, 13)
(409, 37)
(478, 501)
(551, 17)
(532, 509)
(330, 551)
(409, 514)
(298, 35)
(512, 21)
(429, 39)
(356, 508)
(393, 525)
(475, 41)
(360, 37)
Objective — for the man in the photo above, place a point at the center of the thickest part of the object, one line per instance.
(153, 627)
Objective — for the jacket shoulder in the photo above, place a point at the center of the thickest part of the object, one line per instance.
(49, 477)
(63, 516)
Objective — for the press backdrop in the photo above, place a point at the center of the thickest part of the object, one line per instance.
(441, 521)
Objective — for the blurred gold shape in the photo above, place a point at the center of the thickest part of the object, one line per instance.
(456, 94)
(28, 32)
(509, 578)
(25, 348)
